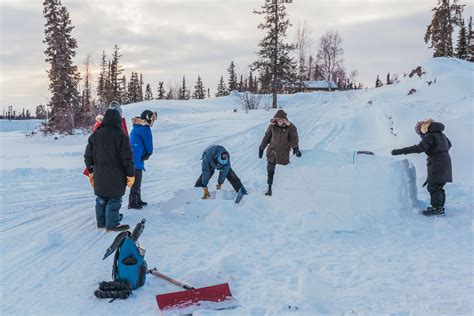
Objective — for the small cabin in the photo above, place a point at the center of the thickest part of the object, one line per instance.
(310, 86)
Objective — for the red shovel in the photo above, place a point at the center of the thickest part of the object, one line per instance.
(210, 297)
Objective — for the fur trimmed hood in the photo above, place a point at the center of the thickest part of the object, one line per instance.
(138, 121)
(425, 126)
(281, 116)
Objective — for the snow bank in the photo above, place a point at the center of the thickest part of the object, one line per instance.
(344, 191)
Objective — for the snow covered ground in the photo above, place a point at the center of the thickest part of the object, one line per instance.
(341, 234)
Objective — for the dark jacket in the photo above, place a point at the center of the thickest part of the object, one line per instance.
(436, 146)
(142, 142)
(210, 163)
(280, 140)
(109, 157)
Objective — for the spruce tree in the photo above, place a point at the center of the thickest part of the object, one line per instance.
(250, 83)
(134, 88)
(240, 86)
(148, 93)
(102, 81)
(115, 76)
(389, 81)
(232, 83)
(123, 91)
(66, 111)
(461, 48)
(161, 91)
(199, 92)
(446, 16)
(221, 88)
(183, 93)
(378, 82)
(470, 42)
(86, 98)
(274, 62)
(140, 88)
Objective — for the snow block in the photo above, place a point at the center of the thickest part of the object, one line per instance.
(342, 191)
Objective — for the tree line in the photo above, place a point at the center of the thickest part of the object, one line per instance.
(279, 64)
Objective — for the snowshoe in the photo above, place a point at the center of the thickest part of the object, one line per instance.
(434, 211)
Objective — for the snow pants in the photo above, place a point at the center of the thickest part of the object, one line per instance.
(231, 176)
(136, 188)
(270, 172)
(438, 196)
(107, 211)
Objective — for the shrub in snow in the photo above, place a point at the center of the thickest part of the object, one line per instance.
(418, 70)
(412, 91)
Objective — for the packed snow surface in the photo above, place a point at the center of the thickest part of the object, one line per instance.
(341, 234)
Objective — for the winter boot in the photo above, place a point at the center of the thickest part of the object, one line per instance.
(140, 199)
(269, 191)
(430, 211)
(118, 228)
(133, 202)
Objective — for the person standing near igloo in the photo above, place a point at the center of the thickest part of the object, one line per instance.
(281, 136)
(436, 146)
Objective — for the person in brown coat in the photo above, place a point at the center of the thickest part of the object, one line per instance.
(281, 136)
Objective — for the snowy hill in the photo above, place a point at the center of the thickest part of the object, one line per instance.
(341, 234)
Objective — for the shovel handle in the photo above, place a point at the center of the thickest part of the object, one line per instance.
(155, 272)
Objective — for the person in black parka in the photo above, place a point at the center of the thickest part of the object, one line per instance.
(436, 146)
(108, 158)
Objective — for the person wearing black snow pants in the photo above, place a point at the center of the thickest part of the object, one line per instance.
(436, 146)
(217, 157)
(141, 139)
(281, 136)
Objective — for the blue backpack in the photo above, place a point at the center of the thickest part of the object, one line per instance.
(129, 261)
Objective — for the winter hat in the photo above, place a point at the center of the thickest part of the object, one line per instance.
(280, 114)
(114, 105)
(148, 116)
(112, 118)
(223, 158)
(425, 125)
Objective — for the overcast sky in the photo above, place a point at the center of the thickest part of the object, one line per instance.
(165, 39)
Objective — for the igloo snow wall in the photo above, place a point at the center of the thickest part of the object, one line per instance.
(344, 191)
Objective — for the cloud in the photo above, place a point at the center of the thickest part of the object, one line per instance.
(168, 38)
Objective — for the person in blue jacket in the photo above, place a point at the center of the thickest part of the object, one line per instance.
(217, 157)
(142, 147)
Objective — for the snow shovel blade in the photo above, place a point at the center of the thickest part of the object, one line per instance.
(212, 297)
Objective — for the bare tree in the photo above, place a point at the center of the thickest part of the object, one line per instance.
(330, 55)
(250, 101)
(302, 42)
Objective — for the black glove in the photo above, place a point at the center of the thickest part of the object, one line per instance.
(146, 156)
(396, 152)
(260, 154)
(297, 152)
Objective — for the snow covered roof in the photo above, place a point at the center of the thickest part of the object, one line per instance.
(319, 84)
(312, 84)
